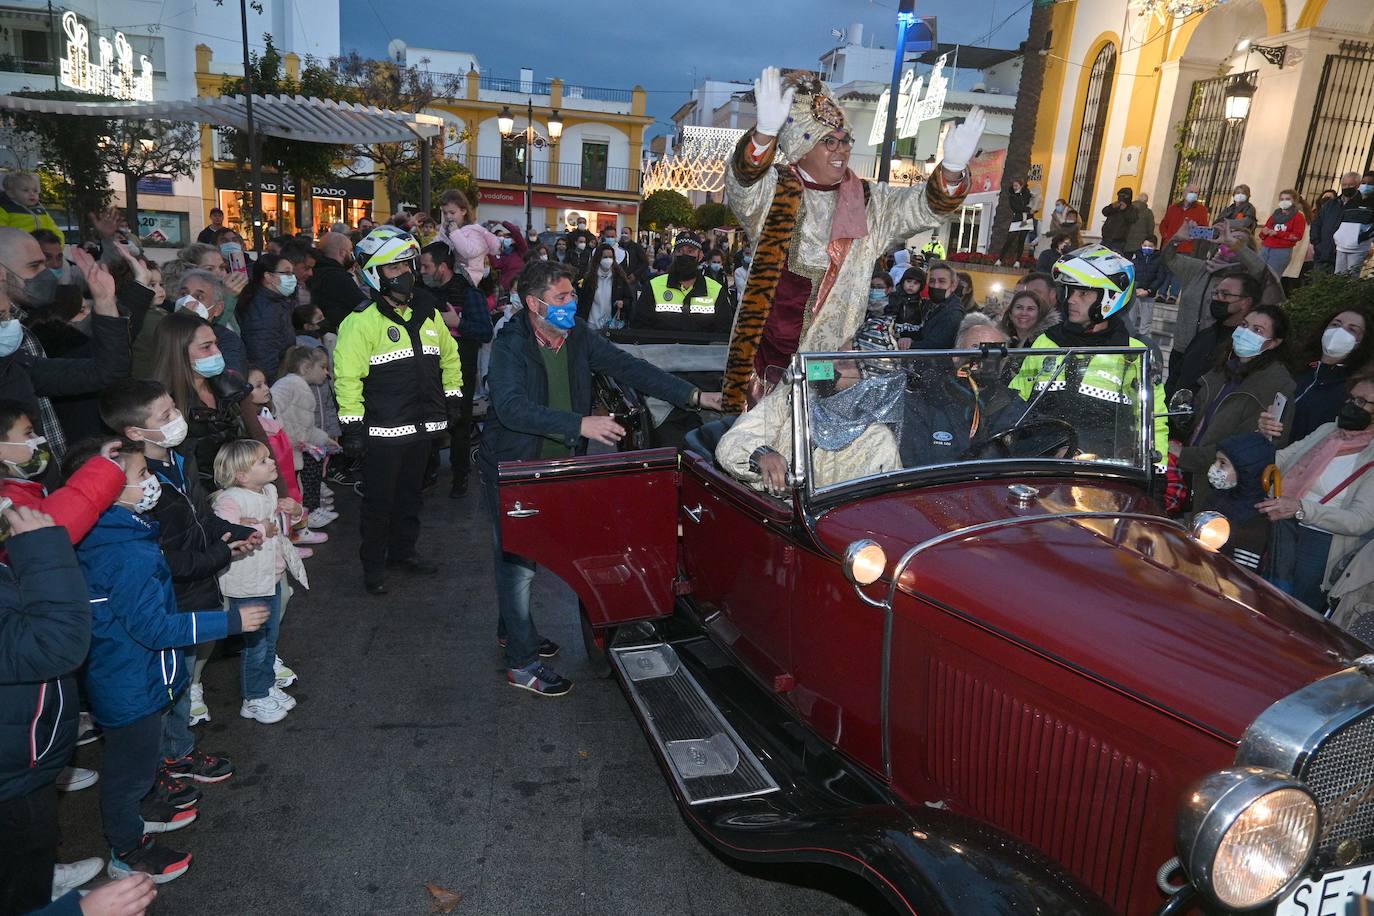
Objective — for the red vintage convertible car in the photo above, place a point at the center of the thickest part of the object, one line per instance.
(967, 659)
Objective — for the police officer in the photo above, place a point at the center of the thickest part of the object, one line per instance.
(397, 377)
(684, 299)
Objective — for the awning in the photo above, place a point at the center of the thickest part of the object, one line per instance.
(292, 117)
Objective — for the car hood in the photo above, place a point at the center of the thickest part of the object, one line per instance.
(1135, 604)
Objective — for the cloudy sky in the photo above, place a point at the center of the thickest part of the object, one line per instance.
(664, 47)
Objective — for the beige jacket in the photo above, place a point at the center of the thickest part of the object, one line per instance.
(255, 576)
(1350, 515)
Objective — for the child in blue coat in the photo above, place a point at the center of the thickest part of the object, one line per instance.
(132, 678)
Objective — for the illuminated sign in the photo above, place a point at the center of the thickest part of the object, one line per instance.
(113, 75)
(911, 108)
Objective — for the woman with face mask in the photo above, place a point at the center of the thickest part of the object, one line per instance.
(1283, 230)
(603, 292)
(1338, 350)
(1242, 385)
(1240, 210)
(265, 312)
(213, 400)
(1327, 506)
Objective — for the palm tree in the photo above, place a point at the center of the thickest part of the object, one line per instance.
(1024, 118)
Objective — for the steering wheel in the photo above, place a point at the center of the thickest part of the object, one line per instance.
(1068, 439)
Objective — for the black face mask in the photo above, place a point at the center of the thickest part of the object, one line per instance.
(1352, 417)
(399, 289)
(937, 295)
(682, 269)
(1220, 309)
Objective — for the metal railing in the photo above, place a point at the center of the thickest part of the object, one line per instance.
(524, 87)
(597, 94)
(560, 175)
(570, 92)
(11, 64)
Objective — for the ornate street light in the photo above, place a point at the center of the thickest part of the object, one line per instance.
(1240, 91)
(530, 140)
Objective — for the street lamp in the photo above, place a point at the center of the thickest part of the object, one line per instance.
(530, 140)
(1240, 91)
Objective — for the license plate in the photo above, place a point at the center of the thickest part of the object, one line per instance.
(1329, 895)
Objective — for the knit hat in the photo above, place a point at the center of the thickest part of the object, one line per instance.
(814, 114)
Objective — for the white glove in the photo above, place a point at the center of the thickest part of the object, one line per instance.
(772, 102)
(962, 141)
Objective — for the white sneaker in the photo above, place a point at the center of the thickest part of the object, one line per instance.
(284, 675)
(69, 876)
(86, 729)
(74, 779)
(287, 702)
(199, 711)
(326, 492)
(307, 537)
(264, 709)
(320, 517)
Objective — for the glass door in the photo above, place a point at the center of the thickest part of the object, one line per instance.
(594, 157)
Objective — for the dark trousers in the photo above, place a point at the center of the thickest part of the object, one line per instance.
(126, 774)
(312, 472)
(460, 424)
(1309, 570)
(393, 474)
(28, 850)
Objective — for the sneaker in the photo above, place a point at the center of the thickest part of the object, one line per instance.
(199, 711)
(459, 487)
(200, 766)
(326, 493)
(285, 676)
(264, 709)
(358, 488)
(414, 564)
(287, 701)
(157, 862)
(320, 517)
(539, 678)
(304, 553)
(86, 729)
(172, 791)
(160, 817)
(67, 877)
(340, 475)
(74, 779)
(306, 536)
(547, 647)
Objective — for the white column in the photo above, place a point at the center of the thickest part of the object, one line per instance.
(1176, 79)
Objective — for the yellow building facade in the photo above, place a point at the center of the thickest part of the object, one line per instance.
(1133, 100)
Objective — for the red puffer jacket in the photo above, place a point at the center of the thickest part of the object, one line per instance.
(76, 506)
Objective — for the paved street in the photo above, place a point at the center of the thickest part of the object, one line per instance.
(409, 761)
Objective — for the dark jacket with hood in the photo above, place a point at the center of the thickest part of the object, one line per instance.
(265, 325)
(191, 536)
(520, 419)
(45, 629)
(133, 670)
(334, 290)
(1118, 221)
(1320, 392)
(1249, 453)
(932, 325)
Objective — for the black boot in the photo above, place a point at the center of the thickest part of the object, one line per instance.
(459, 486)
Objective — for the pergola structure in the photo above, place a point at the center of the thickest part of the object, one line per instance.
(297, 117)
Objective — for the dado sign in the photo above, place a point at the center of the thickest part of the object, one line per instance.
(113, 74)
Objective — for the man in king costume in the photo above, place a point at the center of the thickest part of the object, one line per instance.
(819, 230)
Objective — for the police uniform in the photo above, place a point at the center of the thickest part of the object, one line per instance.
(396, 375)
(663, 307)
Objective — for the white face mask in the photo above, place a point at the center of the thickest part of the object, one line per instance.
(1220, 478)
(1285, 204)
(606, 263)
(1240, 198)
(1338, 342)
(193, 304)
(170, 435)
(152, 491)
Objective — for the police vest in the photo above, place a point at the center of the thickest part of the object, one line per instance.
(674, 301)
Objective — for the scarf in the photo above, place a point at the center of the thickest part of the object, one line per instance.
(1307, 469)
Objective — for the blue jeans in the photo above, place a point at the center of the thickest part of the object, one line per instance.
(1168, 286)
(260, 648)
(177, 740)
(514, 575)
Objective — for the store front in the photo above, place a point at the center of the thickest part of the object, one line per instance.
(345, 200)
(556, 210)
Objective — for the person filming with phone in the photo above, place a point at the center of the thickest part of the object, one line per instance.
(1200, 278)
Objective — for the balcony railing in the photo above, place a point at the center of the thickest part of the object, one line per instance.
(523, 87)
(598, 94)
(570, 92)
(11, 64)
(561, 175)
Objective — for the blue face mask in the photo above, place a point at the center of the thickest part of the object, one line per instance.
(1246, 343)
(209, 366)
(11, 336)
(1190, 197)
(56, 272)
(876, 295)
(507, 245)
(561, 316)
(1367, 189)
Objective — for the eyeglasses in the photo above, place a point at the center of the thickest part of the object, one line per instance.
(1361, 402)
(1222, 294)
(834, 143)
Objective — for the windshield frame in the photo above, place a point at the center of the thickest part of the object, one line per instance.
(903, 478)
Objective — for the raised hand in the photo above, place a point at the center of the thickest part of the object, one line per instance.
(772, 101)
(962, 142)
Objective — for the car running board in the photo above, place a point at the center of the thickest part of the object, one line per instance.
(707, 758)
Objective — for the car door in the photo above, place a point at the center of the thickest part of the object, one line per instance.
(740, 565)
(604, 524)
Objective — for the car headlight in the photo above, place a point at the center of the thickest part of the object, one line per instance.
(1210, 529)
(1245, 835)
(864, 562)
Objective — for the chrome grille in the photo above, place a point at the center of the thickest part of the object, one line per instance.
(1340, 773)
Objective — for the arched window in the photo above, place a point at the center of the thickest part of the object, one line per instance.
(1086, 159)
